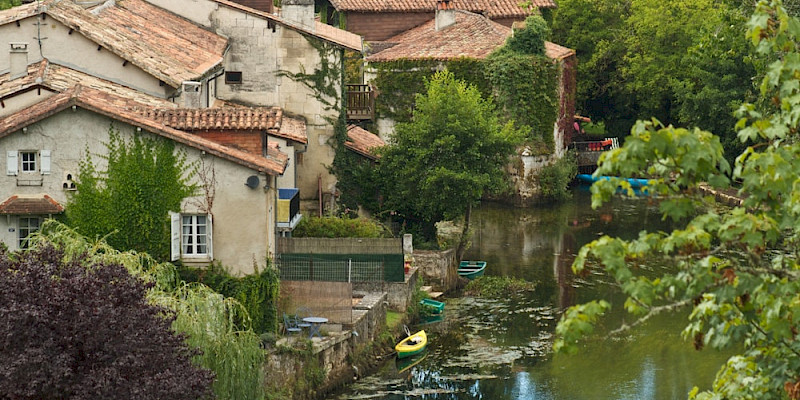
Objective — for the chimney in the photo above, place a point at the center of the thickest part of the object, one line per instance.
(298, 11)
(445, 14)
(18, 60)
(191, 94)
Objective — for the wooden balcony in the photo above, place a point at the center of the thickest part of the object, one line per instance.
(360, 103)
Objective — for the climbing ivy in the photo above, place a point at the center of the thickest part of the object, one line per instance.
(398, 82)
(129, 202)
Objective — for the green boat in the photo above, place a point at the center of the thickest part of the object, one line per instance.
(471, 269)
(435, 307)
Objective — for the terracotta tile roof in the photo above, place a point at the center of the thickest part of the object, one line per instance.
(17, 13)
(127, 110)
(557, 51)
(363, 142)
(59, 78)
(491, 8)
(323, 31)
(165, 45)
(30, 205)
(472, 36)
(227, 118)
(293, 129)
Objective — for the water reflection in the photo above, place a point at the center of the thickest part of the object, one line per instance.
(501, 349)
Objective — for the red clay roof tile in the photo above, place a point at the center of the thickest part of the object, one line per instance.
(492, 8)
(471, 36)
(165, 45)
(126, 110)
(363, 142)
(30, 205)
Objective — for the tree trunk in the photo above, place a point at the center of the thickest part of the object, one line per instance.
(462, 242)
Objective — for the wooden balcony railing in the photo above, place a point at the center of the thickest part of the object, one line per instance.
(360, 102)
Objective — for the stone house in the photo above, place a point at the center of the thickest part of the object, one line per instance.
(221, 73)
(197, 52)
(44, 143)
(457, 34)
(380, 20)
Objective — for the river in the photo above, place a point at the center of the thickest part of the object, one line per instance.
(501, 348)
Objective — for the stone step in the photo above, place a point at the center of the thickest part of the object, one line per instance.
(427, 289)
(435, 295)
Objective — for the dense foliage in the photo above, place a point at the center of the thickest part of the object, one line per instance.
(85, 331)
(257, 293)
(736, 269)
(129, 202)
(682, 61)
(554, 179)
(4, 4)
(335, 227)
(209, 319)
(451, 153)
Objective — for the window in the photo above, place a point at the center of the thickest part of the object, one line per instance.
(194, 239)
(27, 161)
(233, 77)
(27, 225)
(191, 236)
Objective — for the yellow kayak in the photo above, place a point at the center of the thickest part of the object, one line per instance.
(411, 345)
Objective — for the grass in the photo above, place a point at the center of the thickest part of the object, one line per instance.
(393, 319)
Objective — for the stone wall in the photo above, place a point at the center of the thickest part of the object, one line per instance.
(437, 268)
(289, 362)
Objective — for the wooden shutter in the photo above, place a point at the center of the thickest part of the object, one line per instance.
(174, 236)
(210, 238)
(12, 163)
(44, 156)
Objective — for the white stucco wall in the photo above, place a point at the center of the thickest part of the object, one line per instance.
(74, 51)
(243, 218)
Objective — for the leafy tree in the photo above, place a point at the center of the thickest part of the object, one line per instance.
(530, 40)
(75, 332)
(4, 4)
(451, 153)
(130, 201)
(719, 68)
(737, 270)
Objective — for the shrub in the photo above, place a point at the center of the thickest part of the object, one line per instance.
(70, 331)
(335, 227)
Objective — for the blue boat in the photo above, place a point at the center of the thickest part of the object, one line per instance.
(636, 183)
(471, 269)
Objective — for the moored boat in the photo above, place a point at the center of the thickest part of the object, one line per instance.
(471, 269)
(414, 344)
(433, 306)
(634, 182)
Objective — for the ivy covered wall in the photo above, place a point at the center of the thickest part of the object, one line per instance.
(525, 89)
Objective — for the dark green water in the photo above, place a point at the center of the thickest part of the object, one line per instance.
(501, 349)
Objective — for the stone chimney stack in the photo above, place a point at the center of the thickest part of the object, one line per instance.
(191, 94)
(298, 11)
(445, 14)
(18, 60)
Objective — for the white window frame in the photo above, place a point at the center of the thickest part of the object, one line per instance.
(26, 165)
(27, 229)
(17, 161)
(185, 239)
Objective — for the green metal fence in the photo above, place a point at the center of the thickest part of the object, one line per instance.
(341, 267)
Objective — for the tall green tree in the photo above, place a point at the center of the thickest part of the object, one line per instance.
(451, 153)
(735, 270)
(130, 201)
(4, 4)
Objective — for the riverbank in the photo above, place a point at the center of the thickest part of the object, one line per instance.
(305, 369)
(729, 196)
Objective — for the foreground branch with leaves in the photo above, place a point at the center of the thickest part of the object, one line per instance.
(737, 269)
